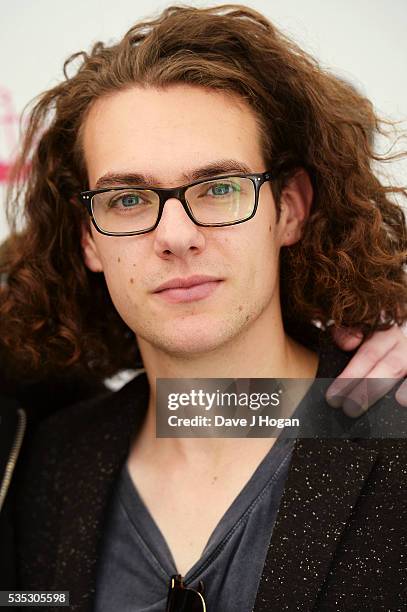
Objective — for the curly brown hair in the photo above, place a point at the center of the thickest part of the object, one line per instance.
(56, 314)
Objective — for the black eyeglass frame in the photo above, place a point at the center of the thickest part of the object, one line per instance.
(179, 193)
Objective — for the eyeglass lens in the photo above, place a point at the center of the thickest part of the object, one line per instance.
(224, 200)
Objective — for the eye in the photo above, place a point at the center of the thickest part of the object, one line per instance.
(126, 200)
(131, 199)
(221, 189)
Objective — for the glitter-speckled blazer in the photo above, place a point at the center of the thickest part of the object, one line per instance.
(339, 542)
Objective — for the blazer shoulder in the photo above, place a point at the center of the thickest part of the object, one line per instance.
(69, 422)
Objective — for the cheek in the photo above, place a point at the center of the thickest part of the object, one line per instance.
(257, 253)
(121, 270)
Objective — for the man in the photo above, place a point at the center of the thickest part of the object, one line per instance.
(232, 201)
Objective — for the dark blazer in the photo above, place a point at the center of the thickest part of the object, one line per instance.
(339, 541)
(12, 432)
(23, 405)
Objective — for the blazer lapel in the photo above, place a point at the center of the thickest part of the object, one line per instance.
(323, 485)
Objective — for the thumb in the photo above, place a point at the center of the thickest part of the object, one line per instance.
(347, 338)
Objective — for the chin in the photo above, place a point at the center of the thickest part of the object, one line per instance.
(183, 338)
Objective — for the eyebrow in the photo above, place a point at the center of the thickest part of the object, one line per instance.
(224, 166)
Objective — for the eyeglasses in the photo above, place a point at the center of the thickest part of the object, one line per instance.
(222, 200)
(184, 599)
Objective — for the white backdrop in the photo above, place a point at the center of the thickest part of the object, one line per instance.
(363, 41)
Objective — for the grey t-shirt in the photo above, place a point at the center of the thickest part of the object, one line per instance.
(136, 563)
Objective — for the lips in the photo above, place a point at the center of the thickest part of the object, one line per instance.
(188, 289)
(185, 283)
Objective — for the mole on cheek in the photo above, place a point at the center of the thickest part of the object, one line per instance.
(132, 280)
(269, 228)
(240, 308)
(118, 260)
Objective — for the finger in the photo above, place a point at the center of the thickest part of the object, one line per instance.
(387, 366)
(401, 395)
(373, 351)
(392, 365)
(380, 380)
(339, 391)
(366, 394)
(347, 338)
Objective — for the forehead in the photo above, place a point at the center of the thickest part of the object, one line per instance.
(166, 132)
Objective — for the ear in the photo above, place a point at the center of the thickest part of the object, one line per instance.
(90, 251)
(296, 201)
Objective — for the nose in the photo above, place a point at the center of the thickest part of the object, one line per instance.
(176, 234)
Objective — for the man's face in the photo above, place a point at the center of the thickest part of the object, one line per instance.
(168, 135)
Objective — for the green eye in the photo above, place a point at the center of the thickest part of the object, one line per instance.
(125, 200)
(221, 189)
(130, 199)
